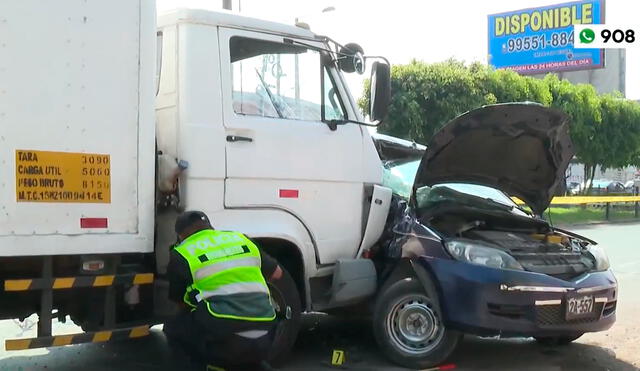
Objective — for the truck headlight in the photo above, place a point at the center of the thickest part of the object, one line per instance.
(482, 254)
(602, 261)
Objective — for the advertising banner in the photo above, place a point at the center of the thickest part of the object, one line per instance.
(540, 40)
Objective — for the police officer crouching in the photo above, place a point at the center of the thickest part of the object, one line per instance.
(219, 279)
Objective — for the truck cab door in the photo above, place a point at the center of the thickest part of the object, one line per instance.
(279, 153)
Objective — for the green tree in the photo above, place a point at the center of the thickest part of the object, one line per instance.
(501, 86)
(426, 96)
(605, 129)
(620, 130)
(582, 104)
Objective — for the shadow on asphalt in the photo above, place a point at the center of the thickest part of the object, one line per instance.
(319, 337)
(323, 334)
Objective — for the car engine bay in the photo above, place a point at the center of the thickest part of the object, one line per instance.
(532, 242)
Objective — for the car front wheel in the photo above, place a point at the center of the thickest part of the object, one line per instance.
(408, 326)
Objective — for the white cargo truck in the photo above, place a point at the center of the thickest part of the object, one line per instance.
(112, 123)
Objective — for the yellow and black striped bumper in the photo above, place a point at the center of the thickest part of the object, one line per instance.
(80, 281)
(85, 337)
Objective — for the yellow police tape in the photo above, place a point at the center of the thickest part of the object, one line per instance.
(581, 200)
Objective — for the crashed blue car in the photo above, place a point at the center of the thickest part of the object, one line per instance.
(459, 256)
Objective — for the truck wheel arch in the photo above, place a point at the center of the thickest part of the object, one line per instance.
(290, 258)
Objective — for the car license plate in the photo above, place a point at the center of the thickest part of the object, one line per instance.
(580, 307)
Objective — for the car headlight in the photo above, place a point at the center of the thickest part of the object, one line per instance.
(602, 261)
(482, 254)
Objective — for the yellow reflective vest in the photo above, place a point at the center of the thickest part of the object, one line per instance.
(225, 267)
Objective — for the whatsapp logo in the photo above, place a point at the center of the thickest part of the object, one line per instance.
(587, 36)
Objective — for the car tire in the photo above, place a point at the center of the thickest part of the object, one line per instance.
(408, 326)
(284, 294)
(557, 340)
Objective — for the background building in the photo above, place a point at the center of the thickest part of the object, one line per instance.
(609, 79)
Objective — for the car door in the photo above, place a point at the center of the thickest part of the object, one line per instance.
(279, 153)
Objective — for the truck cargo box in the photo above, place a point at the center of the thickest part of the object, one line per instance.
(77, 143)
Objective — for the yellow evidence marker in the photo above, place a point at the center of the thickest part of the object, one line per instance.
(337, 358)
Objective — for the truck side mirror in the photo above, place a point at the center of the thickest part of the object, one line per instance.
(380, 91)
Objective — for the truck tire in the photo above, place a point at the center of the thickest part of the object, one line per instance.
(408, 326)
(557, 340)
(284, 294)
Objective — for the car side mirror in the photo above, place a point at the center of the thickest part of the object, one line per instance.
(380, 92)
(352, 59)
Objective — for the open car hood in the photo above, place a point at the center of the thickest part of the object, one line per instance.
(522, 149)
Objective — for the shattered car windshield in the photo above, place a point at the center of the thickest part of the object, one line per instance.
(478, 191)
(399, 176)
(469, 194)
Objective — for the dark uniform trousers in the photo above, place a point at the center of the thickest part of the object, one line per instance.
(227, 343)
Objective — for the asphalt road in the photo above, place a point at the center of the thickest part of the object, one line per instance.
(616, 349)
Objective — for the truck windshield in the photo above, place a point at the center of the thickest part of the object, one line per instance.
(282, 81)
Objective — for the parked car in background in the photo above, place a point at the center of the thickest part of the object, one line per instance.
(475, 262)
(604, 186)
(631, 186)
(574, 188)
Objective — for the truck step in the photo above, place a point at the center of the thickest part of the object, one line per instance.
(80, 281)
(81, 338)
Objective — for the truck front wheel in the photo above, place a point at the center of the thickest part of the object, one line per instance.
(286, 301)
(408, 326)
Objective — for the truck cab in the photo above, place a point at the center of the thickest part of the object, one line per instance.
(251, 106)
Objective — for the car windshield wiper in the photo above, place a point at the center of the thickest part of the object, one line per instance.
(508, 207)
(523, 210)
(498, 203)
(270, 94)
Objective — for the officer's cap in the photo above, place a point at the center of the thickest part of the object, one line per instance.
(189, 218)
